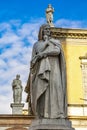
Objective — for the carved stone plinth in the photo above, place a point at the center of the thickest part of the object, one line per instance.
(17, 108)
(51, 124)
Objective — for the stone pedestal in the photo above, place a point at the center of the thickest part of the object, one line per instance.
(51, 124)
(17, 108)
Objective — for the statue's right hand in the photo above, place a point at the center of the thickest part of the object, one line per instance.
(40, 55)
(14, 86)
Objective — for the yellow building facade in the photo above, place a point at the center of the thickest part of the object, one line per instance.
(74, 43)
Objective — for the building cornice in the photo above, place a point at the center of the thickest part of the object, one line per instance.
(68, 33)
(15, 120)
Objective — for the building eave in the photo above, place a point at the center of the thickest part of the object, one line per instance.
(68, 33)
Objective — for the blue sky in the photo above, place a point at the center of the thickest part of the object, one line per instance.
(19, 24)
(26, 9)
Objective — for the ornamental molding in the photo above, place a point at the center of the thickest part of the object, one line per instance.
(68, 33)
(83, 61)
(83, 57)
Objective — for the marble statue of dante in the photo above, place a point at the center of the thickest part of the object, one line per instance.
(49, 15)
(47, 79)
(17, 89)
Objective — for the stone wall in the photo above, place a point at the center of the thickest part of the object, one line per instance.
(15, 122)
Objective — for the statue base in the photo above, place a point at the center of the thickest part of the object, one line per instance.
(51, 124)
(17, 108)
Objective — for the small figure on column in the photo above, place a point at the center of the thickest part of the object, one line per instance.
(17, 106)
(49, 15)
(17, 89)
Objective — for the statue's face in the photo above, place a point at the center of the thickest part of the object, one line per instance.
(44, 30)
(47, 31)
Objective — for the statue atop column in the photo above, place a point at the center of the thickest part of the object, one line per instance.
(49, 15)
(17, 105)
(17, 89)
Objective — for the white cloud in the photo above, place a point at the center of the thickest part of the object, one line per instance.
(9, 37)
(4, 26)
(16, 41)
(65, 23)
(15, 54)
(5, 103)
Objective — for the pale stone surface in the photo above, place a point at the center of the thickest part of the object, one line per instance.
(85, 111)
(81, 128)
(3, 128)
(75, 111)
(51, 124)
(79, 123)
(17, 108)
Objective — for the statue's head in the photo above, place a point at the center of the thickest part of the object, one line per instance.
(44, 30)
(17, 76)
(49, 6)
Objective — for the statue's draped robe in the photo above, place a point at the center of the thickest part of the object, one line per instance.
(48, 80)
(17, 91)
